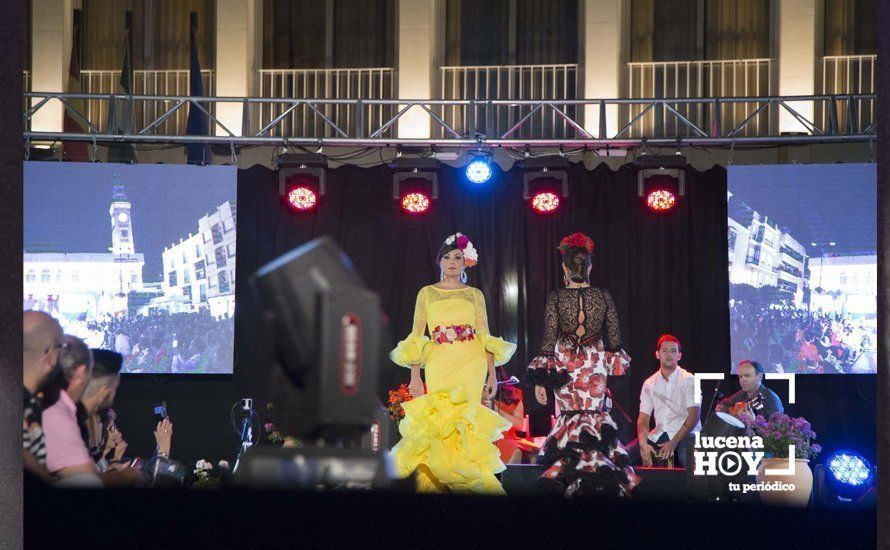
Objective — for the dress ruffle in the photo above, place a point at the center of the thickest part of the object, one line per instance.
(546, 371)
(411, 351)
(451, 438)
(500, 348)
(584, 457)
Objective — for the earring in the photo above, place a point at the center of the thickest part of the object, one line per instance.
(565, 281)
(441, 274)
(463, 277)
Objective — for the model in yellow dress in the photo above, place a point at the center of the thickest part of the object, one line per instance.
(447, 434)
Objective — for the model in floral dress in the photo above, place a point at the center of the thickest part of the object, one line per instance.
(582, 452)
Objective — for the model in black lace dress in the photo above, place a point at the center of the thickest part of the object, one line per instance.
(582, 451)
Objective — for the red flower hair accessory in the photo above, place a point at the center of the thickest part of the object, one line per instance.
(579, 240)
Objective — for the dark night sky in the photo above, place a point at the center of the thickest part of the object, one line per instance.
(816, 202)
(66, 205)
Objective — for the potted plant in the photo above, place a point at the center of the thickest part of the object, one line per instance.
(778, 433)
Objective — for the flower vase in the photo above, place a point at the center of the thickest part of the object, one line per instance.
(802, 479)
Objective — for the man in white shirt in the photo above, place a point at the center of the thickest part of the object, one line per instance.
(669, 394)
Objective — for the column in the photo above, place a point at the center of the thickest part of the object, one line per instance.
(420, 29)
(800, 31)
(51, 35)
(605, 38)
(238, 57)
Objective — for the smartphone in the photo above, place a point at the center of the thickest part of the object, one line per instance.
(160, 411)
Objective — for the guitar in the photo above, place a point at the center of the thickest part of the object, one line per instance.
(753, 406)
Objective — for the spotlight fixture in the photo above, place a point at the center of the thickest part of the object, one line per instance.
(545, 202)
(661, 180)
(415, 184)
(849, 475)
(478, 170)
(301, 179)
(415, 203)
(545, 181)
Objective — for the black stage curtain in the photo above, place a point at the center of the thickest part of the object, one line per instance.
(666, 274)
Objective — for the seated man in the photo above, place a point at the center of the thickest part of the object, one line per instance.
(66, 452)
(41, 342)
(753, 398)
(670, 395)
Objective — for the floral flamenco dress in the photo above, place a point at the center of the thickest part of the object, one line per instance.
(582, 452)
(447, 435)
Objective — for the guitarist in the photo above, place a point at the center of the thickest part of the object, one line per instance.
(754, 399)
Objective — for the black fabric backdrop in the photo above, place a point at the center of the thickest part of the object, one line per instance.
(666, 274)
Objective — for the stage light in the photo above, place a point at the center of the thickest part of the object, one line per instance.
(301, 180)
(415, 203)
(661, 200)
(849, 475)
(302, 198)
(661, 181)
(545, 202)
(415, 184)
(545, 182)
(478, 171)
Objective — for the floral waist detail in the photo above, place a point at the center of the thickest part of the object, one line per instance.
(453, 333)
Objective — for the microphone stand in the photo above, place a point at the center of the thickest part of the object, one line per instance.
(246, 438)
(711, 407)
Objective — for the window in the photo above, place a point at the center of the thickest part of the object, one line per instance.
(203, 291)
(197, 251)
(171, 278)
(220, 256)
(216, 233)
(228, 225)
(185, 257)
(134, 278)
(843, 277)
(187, 291)
(223, 278)
(230, 249)
(199, 270)
(124, 234)
(30, 276)
(45, 276)
(186, 276)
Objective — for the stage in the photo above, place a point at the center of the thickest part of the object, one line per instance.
(257, 519)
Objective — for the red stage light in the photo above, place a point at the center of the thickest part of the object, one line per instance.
(545, 202)
(660, 200)
(415, 203)
(302, 198)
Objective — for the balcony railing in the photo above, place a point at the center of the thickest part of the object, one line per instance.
(307, 120)
(509, 82)
(694, 79)
(847, 74)
(165, 83)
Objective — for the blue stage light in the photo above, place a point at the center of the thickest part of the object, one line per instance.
(478, 171)
(849, 474)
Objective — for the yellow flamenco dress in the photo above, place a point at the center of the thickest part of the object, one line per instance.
(447, 434)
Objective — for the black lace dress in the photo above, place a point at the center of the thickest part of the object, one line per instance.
(582, 452)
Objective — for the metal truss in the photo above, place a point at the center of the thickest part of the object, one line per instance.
(353, 132)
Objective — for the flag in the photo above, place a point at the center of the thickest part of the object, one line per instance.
(121, 112)
(198, 153)
(77, 151)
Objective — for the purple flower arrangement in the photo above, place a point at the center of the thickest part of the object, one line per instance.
(780, 431)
